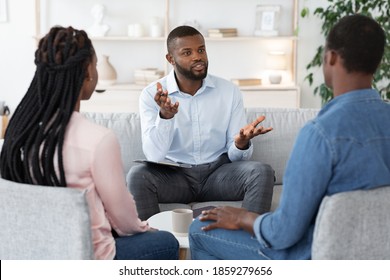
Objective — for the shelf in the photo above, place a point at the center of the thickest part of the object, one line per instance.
(120, 87)
(135, 87)
(120, 38)
(242, 56)
(126, 38)
(275, 98)
(125, 98)
(251, 38)
(159, 39)
(280, 87)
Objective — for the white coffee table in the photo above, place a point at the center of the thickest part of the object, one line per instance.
(163, 221)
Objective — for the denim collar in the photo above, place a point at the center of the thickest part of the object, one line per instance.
(361, 95)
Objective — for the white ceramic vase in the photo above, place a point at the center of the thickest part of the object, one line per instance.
(107, 72)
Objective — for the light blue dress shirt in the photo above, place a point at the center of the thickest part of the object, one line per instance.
(202, 130)
(347, 147)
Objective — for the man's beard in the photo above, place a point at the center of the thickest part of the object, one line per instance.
(191, 75)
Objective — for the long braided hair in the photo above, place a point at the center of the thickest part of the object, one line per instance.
(35, 135)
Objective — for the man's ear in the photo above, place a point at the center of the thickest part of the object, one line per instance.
(170, 59)
(333, 57)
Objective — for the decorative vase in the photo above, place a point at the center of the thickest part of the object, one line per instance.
(107, 73)
(275, 78)
(155, 27)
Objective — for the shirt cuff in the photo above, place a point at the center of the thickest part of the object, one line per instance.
(256, 229)
(242, 154)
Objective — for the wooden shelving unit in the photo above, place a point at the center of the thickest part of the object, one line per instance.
(284, 95)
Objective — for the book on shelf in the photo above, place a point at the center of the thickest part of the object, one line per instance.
(145, 76)
(222, 32)
(222, 35)
(247, 82)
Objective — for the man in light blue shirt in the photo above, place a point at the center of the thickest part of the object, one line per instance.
(198, 119)
(347, 147)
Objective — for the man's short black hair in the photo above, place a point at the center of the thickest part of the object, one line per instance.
(360, 41)
(178, 32)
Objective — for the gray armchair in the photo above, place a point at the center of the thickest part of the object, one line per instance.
(353, 225)
(38, 222)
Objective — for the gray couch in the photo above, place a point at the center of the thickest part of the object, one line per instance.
(352, 225)
(273, 148)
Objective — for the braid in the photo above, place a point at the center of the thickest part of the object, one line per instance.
(32, 149)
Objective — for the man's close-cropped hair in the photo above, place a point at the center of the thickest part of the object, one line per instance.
(360, 41)
(35, 134)
(178, 32)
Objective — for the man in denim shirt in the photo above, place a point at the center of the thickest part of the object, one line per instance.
(347, 147)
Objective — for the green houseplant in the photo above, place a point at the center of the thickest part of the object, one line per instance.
(336, 9)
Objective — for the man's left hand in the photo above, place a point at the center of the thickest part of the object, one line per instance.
(249, 131)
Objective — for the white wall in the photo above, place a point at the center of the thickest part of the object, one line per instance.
(310, 38)
(17, 48)
(17, 51)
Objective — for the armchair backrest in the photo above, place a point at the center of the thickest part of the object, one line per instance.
(38, 222)
(353, 225)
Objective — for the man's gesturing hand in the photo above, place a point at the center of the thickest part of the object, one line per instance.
(167, 109)
(249, 131)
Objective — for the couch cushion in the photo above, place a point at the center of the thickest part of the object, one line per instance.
(127, 127)
(39, 222)
(353, 225)
(171, 206)
(274, 147)
(197, 205)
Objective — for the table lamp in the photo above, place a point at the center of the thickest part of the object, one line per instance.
(276, 63)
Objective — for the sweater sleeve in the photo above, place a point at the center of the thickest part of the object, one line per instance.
(119, 204)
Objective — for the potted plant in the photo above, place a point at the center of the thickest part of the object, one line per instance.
(336, 9)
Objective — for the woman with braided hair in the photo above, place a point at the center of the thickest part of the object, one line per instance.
(48, 142)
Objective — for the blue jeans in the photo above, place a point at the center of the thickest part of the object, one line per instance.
(150, 245)
(221, 244)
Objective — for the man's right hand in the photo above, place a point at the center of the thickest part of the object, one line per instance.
(167, 108)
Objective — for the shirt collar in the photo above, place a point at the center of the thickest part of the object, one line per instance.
(172, 86)
(353, 96)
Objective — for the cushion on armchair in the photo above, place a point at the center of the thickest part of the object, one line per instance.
(38, 222)
(353, 225)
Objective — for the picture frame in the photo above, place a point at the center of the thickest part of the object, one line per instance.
(3, 10)
(267, 20)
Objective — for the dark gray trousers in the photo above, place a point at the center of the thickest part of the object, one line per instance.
(222, 180)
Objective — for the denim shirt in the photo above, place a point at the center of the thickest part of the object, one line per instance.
(202, 130)
(346, 147)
